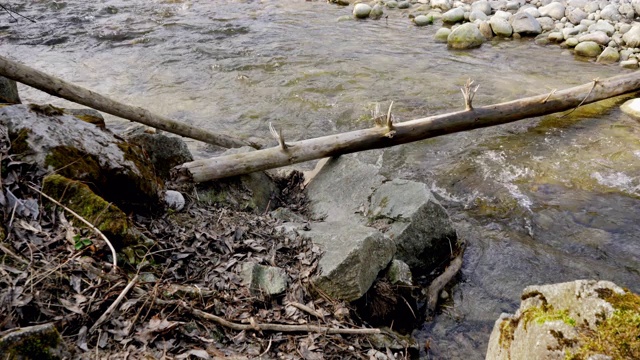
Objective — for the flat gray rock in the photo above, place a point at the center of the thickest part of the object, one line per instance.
(419, 226)
(353, 257)
(342, 188)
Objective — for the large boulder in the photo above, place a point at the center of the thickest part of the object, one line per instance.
(525, 24)
(353, 257)
(106, 217)
(364, 212)
(583, 319)
(465, 36)
(415, 220)
(632, 37)
(114, 169)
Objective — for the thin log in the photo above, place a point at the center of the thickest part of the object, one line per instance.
(60, 88)
(409, 131)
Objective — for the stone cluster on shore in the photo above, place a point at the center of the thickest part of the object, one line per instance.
(603, 30)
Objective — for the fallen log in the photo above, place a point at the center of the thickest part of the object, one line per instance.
(60, 88)
(390, 134)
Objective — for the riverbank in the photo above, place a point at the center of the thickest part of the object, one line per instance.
(197, 278)
(601, 30)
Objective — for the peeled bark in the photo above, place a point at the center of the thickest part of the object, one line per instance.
(60, 88)
(409, 131)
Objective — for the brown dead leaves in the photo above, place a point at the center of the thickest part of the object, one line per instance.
(194, 263)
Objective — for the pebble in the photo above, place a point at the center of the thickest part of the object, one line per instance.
(174, 200)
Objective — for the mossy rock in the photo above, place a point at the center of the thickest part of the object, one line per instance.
(42, 342)
(54, 139)
(617, 336)
(105, 216)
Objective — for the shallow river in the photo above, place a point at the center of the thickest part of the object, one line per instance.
(539, 201)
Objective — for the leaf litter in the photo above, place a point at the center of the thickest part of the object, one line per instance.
(189, 276)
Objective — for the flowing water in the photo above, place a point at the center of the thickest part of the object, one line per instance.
(539, 201)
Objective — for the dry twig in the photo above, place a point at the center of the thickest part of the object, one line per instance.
(104, 316)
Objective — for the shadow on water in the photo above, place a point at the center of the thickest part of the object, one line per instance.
(539, 201)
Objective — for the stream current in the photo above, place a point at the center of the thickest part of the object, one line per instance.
(542, 200)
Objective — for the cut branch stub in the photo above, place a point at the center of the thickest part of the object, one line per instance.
(468, 93)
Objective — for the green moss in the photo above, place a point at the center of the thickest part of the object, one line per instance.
(617, 336)
(110, 220)
(95, 120)
(74, 164)
(546, 313)
(149, 183)
(499, 208)
(131, 190)
(32, 346)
